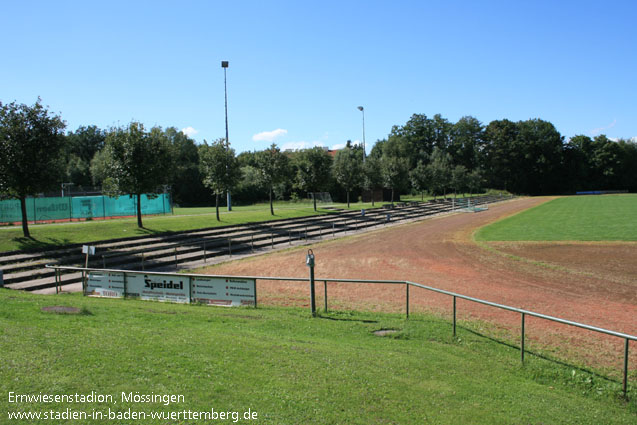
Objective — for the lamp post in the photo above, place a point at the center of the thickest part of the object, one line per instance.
(224, 65)
(360, 108)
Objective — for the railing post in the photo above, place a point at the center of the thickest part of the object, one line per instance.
(454, 316)
(272, 240)
(325, 288)
(176, 257)
(522, 340)
(252, 243)
(255, 293)
(229, 246)
(142, 261)
(289, 237)
(407, 300)
(57, 281)
(625, 383)
(204, 252)
(103, 261)
(333, 230)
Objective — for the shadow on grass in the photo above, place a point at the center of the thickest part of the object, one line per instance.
(33, 244)
(327, 316)
(540, 355)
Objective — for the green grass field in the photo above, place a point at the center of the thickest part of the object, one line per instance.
(573, 218)
(285, 365)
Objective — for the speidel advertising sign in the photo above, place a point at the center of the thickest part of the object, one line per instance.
(226, 291)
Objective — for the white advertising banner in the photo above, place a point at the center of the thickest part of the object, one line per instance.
(105, 284)
(158, 287)
(225, 291)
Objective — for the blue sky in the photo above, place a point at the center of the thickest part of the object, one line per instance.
(298, 70)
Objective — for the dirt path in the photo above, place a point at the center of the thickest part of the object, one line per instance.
(440, 252)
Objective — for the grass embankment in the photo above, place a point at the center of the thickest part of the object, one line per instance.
(573, 218)
(46, 235)
(285, 365)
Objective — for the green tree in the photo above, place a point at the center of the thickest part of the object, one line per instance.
(313, 168)
(31, 143)
(394, 171)
(273, 167)
(466, 142)
(348, 168)
(136, 162)
(420, 178)
(439, 171)
(80, 148)
(475, 180)
(459, 179)
(185, 179)
(219, 168)
(371, 175)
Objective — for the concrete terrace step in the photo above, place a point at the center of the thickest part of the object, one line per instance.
(158, 251)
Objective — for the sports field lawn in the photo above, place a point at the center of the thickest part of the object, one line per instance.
(284, 365)
(572, 218)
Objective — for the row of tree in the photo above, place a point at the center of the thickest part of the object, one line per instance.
(425, 154)
(526, 157)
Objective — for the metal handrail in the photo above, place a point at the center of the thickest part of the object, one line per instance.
(454, 295)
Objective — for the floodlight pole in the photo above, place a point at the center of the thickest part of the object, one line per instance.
(224, 65)
(360, 108)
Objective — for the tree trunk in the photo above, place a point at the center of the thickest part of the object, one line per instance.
(217, 205)
(347, 198)
(25, 220)
(139, 211)
(271, 207)
(314, 198)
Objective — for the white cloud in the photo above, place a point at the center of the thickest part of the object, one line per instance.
(189, 131)
(269, 136)
(599, 130)
(301, 145)
(342, 145)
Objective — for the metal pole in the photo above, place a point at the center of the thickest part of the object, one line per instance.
(175, 256)
(325, 289)
(312, 296)
(522, 340)
(255, 293)
(57, 282)
(360, 108)
(224, 65)
(625, 384)
(407, 300)
(454, 316)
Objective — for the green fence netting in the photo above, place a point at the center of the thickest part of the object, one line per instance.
(82, 207)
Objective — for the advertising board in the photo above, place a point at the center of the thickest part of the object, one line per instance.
(226, 291)
(178, 288)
